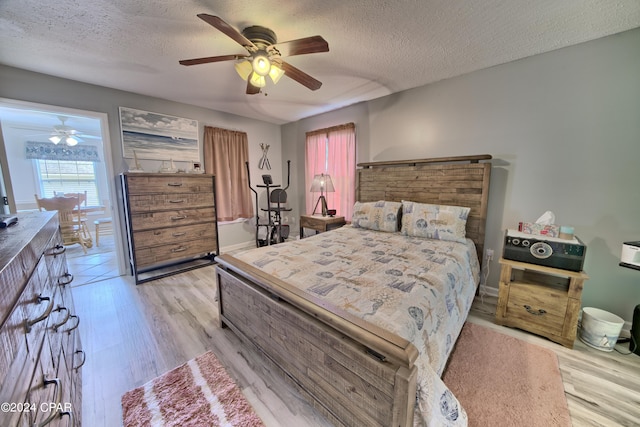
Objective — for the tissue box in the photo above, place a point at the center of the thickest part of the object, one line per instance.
(549, 230)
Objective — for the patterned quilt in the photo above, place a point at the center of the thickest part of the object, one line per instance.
(420, 289)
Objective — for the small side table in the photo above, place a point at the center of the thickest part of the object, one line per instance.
(320, 223)
(539, 299)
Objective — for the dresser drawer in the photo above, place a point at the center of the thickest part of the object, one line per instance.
(56, 260)
(152, 256)
(158, 202)
(172, 184)
(28, 318)
(535, 305)
(21, 338)
(162, 236)
(175, 218)
(17, 362)
(19, 268)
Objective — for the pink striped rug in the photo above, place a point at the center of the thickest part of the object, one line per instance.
(198, 393)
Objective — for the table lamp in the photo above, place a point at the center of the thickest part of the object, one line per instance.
(322, 183)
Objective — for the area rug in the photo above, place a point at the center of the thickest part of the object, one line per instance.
(504, 381)
(198, 393)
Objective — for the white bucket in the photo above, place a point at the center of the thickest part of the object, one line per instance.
(600, 329)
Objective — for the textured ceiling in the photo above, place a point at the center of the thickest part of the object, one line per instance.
(376, 47)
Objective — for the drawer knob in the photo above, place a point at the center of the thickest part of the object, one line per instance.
(539, 312)
(178, 217)
(176, 201)
(174, 184)
(179, 249)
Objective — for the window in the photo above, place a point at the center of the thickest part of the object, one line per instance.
(332, 151)
(67, 176)
(63, 169)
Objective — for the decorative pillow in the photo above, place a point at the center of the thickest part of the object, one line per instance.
(439, 222)
(379, 216)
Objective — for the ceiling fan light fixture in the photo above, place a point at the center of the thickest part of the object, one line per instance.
(257, 80)
(55, 139)
(71, 141)
(261, 64)
(264, 53)
(276, 73)
(244, 69)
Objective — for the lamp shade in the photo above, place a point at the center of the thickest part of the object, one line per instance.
(244, 68)
(257, 80)
(275, 73)
(322, 183)
(69, 140)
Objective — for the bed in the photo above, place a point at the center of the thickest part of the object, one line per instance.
(361, 320)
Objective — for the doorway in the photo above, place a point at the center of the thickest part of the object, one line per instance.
(70, 138)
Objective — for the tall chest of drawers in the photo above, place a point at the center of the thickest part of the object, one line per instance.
(40, 353)
(171, 222)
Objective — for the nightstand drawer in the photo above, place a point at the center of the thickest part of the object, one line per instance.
(539, 299)
(536, 305)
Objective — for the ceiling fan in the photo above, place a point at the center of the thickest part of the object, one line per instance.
(64, 133)
(264, 57)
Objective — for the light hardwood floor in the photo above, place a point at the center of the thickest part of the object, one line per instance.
(132, 334)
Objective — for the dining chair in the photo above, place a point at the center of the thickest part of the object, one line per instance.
(72, 228)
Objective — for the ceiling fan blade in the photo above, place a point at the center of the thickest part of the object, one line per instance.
(251, 89)
(303, 46)
(218, 23)
(300, 76)
(209, 59)
(86, 136)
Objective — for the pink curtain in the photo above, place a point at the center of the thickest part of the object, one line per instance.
(316, 163)
(333, 151)
(225, 155)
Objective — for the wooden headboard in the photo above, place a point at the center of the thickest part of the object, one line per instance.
(457, 181)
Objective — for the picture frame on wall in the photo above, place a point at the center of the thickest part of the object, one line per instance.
(155, 136)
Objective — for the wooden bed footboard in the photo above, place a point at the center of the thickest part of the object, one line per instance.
(353, 372)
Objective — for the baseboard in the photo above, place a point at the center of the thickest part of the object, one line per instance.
(488, 290)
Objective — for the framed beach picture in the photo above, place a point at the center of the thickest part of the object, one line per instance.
(155, 136)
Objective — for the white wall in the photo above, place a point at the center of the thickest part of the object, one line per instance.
(564, 130)
(27, 86)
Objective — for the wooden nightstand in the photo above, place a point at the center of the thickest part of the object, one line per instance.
(320, 223)
(539, 299)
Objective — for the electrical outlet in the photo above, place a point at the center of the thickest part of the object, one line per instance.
(489, 254)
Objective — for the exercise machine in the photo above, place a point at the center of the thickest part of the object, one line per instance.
(273, 231)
